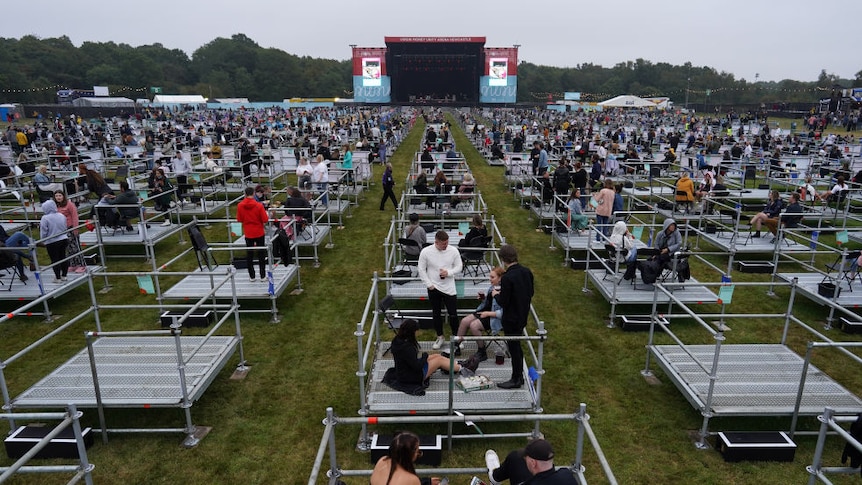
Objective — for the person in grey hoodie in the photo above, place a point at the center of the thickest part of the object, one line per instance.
(668, 240)
(52, 229)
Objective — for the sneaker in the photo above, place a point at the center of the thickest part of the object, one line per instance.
(438, 343)
(166, 223)
(457, 350)
(252, 279)
(57, 280)
(23, 278)
(64, 278)
(492, 461)
(756, 234)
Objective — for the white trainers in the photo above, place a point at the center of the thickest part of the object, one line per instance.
(252, 279)
(166, 223)
(493, 462)
(438, 343)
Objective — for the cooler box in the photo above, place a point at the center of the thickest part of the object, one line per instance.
(756, 446)
(431, 446)
(62, 446)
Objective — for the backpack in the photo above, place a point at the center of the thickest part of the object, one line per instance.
(850, 451)
(683, 271)
(650, 270)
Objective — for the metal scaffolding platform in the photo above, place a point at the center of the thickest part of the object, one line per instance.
(753, 380)
(132, 372)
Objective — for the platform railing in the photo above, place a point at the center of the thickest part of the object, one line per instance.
(82, 471)
(335, 472)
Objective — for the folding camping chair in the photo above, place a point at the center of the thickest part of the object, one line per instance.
(201, 248)
(846, 270)
(473, 258)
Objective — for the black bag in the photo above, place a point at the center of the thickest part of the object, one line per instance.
(665, 205)
(401, 273)
(281, 246)
(683, 271)
(826, 289)
(650, 269)
(850, 451)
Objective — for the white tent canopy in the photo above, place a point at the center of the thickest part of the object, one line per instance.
(179, 99)
(232, 100)
(105, 102)
(627, 101)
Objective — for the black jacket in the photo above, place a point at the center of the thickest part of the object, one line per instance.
(516, 293)
(409, 369)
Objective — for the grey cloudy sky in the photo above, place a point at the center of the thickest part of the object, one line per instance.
(777, 39)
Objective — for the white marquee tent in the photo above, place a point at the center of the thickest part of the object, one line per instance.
(627, 101)
(104, 102)
(190, 99)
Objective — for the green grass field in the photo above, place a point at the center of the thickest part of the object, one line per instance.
(266, 428)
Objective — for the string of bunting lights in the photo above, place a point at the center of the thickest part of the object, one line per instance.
(595, 96)
(56, 87)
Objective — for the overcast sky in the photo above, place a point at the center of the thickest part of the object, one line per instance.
(785, 39)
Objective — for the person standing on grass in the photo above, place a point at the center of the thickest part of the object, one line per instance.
(253, 217)
(388, 184)
(515, 297)
(438, 264)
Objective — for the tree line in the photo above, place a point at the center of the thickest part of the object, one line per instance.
(33, 69)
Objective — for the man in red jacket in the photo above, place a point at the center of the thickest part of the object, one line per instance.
(253, 217)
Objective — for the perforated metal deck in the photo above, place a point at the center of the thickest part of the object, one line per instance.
(382, 399)
(642, 294)
(807, 285)
(132, 372)
(197, 285)
(753, 380)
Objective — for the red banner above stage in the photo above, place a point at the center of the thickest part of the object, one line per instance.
(435, 40)
(369, 61)
(501, 57)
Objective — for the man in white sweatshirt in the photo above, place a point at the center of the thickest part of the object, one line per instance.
(438, 265)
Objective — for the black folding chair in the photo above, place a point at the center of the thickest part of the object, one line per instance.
(845, 269)
(474, 259)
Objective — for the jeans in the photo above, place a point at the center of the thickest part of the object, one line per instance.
(20, 240)
(602, 223)
(323, 188)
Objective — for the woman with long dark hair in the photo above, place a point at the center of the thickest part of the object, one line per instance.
(411, 369)
(397, 467)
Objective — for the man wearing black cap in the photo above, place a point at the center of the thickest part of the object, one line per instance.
(540, 461)
(534, 465)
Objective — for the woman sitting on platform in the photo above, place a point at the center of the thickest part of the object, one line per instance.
(577, 220)
(486, 316)
(477, 229)
(412, 374)
(627, 251)
(771, 211)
